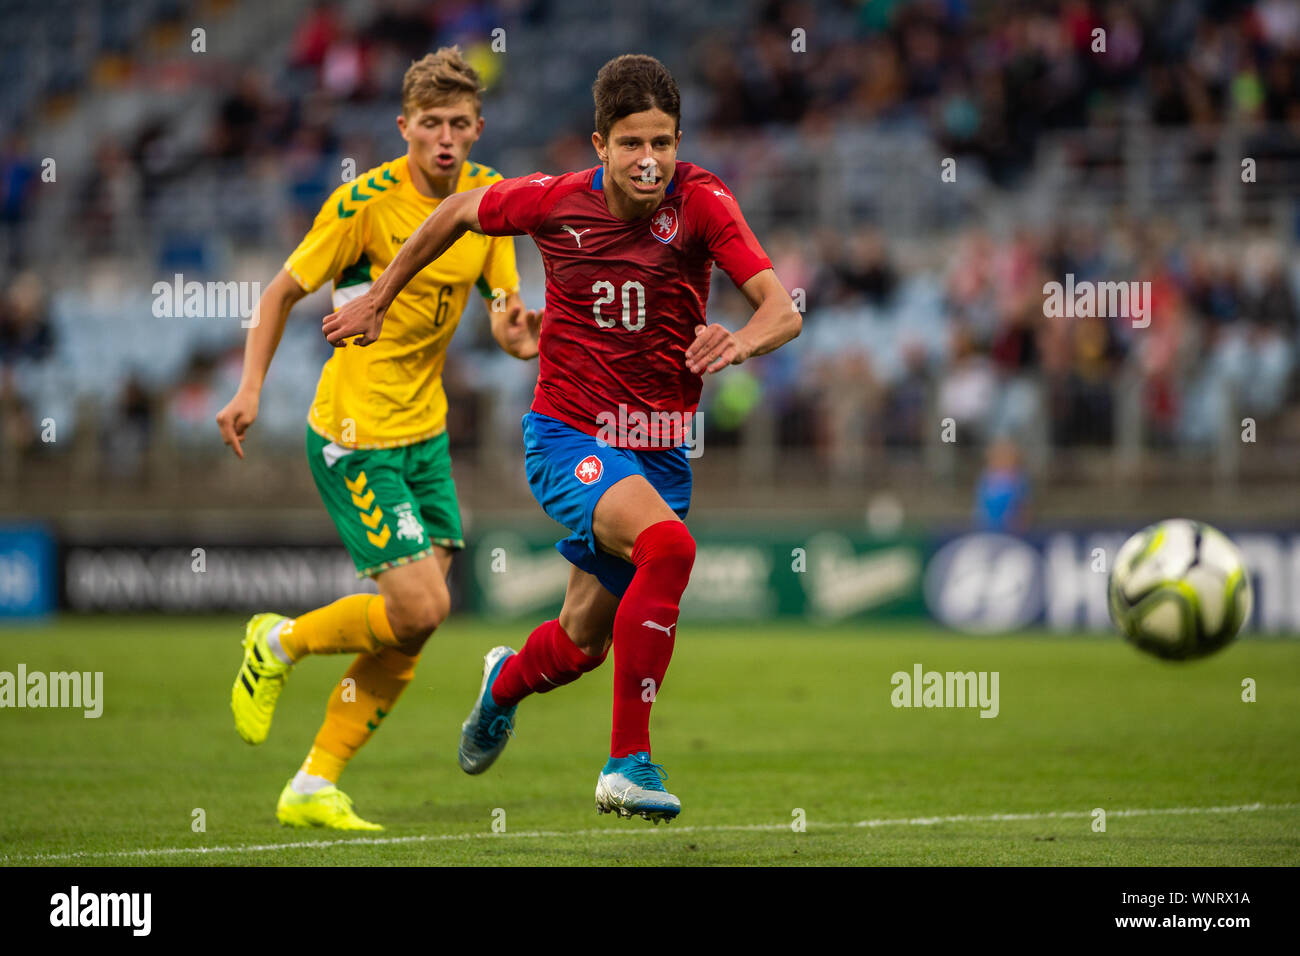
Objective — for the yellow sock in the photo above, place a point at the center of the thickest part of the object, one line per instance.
(354, 623)
(322, 763)
(357, 708)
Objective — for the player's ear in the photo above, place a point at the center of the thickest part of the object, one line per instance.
(401, 126)
(598, 142)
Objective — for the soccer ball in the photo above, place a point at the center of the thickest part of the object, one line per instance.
(1179, 590)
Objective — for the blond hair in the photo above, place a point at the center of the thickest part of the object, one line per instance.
(438, 78)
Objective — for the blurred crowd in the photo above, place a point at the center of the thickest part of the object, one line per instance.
(973, 343)
(986, 80)
(891, 339)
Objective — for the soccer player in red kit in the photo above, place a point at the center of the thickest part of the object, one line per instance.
(628, 248)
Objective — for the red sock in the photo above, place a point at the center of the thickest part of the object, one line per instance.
(663, 555)
(548, 660)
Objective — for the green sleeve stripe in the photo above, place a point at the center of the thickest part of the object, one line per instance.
(484, 289)
(355, 274)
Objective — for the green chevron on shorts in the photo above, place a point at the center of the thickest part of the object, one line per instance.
(391, 505)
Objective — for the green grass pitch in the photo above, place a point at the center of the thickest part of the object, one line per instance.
(754, 723)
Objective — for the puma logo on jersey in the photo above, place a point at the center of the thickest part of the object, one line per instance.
(719, 192)
(659, 627)
(577, 236)
(542, 181)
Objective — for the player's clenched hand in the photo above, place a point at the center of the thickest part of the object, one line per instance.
(235, 419)
(358, 318)
(714, 349)
(522, 331)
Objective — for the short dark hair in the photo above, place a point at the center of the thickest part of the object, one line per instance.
(634, 83)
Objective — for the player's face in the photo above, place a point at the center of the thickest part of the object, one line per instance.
(640, 156)
(439, 137)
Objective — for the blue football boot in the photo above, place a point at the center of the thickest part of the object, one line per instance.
(488, 727)
(632, 785)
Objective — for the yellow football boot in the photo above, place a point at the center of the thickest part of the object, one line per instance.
(328, 807)
(260, 679)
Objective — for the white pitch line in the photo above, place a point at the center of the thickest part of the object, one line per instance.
(1071, 815)
(721, 828)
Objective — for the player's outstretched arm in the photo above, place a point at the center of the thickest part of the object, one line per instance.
(775, 321)
(364, 316)
(263, 338)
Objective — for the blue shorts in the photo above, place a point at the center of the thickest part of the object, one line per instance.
(568, 470)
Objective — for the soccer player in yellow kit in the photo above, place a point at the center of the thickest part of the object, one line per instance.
(376, 436)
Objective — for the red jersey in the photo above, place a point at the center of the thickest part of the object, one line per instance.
(623, 297)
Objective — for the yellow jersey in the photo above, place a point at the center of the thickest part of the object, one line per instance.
(390, 393)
